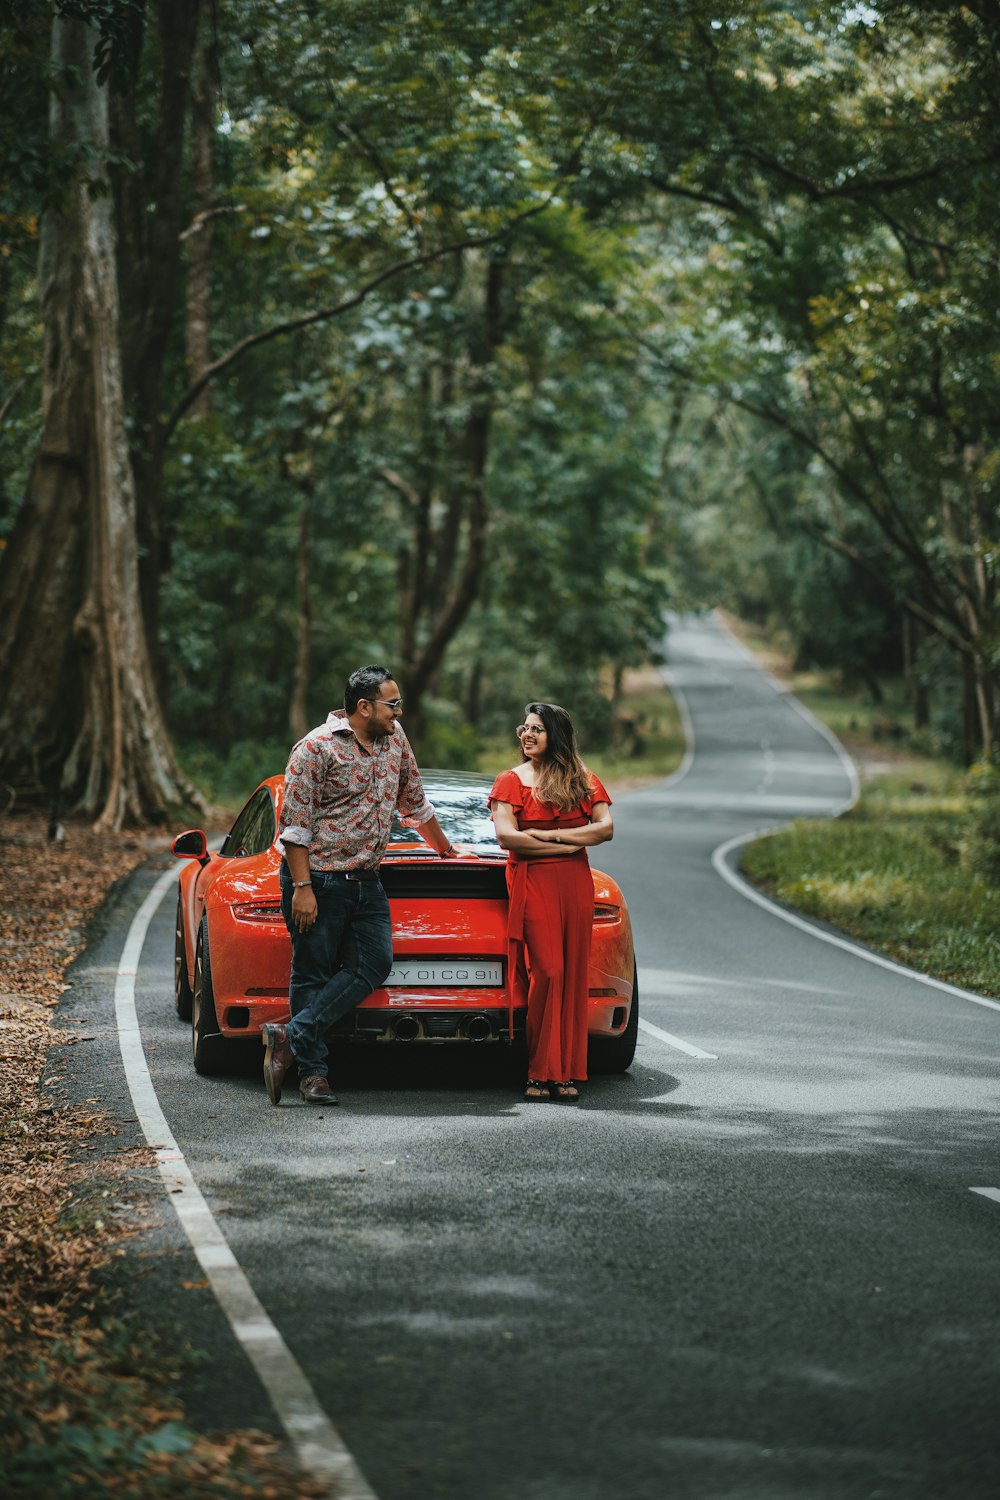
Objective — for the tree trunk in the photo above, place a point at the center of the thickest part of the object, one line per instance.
(617, 684)
(446, 604)
(151, 213)
(985, 697)
(297, 715)
(79, 714)
(971, 739)
(197, 326)
(474, 693)
(911, 672)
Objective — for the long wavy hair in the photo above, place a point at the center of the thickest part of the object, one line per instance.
(563, 779)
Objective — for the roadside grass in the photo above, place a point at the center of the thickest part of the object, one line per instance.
(913, 870)
(854, 718)
(889, 873)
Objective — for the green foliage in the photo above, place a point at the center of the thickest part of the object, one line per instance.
(979, 846)
(447, 740)
(228, 777)
(745, 346)
(830, 287)
(110, 20)
(573, 453)
(827, 360)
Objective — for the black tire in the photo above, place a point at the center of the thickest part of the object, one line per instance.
(210, 1049)
(182, 985)
(614, 1054)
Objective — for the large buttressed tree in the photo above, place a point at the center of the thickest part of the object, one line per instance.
(80, 718)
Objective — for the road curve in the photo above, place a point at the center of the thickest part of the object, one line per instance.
(749, 1269)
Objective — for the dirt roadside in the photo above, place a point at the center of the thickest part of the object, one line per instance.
(82, 1411)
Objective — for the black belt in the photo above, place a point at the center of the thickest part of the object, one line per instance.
(348, 874)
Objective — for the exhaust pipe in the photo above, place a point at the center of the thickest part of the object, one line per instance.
(479, 1028)
(406, 1028)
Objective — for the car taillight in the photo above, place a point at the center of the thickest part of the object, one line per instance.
(262, 911)
(604, 912)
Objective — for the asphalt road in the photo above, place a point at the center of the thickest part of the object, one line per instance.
(755, 1275)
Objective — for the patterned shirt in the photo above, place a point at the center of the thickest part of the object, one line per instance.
(340, 796)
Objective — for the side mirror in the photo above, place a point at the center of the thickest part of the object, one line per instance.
(191, 845)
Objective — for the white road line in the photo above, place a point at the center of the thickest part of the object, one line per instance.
(719, 857)
(674, 1041)
(318, 1446)
(993, 1193)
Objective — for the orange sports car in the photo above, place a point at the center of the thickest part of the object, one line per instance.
(449, 981)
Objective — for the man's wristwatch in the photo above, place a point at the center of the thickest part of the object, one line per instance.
(443, 853)
(299, 885)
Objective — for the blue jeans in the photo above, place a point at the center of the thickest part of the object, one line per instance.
(345, 955)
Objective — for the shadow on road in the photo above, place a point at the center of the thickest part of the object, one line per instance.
(425, 1071)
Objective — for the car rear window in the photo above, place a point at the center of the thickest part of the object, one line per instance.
(462, 812)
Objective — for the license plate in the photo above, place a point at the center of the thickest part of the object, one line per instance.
(417, 973)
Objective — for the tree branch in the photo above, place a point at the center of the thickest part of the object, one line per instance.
(940, 627)
(397, 482)
(199, 221)
(904, 542)
(18, 388)
(859, 187)
(324, 314)
(843, 548)
(725, 201)
(348, 131)
(901, 530)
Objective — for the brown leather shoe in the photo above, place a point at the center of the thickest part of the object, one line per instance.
(278, 1058)
(316, 1090)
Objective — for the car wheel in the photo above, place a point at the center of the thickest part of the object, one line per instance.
(210, 1049)
(613, 1054)
(182, 985)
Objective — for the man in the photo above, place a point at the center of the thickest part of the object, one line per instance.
(343, 783)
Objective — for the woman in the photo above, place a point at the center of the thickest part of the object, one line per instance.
(547, 811)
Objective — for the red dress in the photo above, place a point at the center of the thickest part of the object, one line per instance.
(550, 922)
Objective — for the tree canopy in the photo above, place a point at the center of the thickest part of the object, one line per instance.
(471, 337)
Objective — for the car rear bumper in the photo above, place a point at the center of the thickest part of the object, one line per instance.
(486, 1024)
(458, 1020)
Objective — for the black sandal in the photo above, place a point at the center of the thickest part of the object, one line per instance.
(536, 1091)
(564, 1093)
